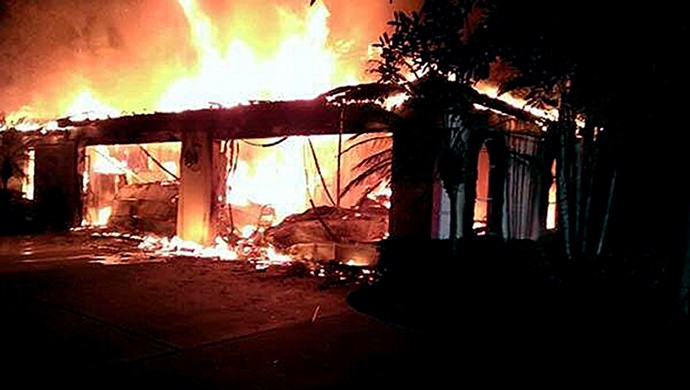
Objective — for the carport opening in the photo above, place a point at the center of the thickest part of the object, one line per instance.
(297, 193)
(132, 187)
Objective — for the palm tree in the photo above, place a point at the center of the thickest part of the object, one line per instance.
(432, 55)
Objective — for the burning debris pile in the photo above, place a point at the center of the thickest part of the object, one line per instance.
(112, 248)
(256, 222)
(147, 206)
(317, 236)
(322, 233)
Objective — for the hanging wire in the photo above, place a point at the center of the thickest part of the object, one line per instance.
(161, 166)
(318, 170)
(328, 230)
(268, 145)
(114, 163)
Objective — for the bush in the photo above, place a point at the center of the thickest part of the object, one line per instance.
(17, 214)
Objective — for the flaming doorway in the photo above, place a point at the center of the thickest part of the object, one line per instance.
(131, 187)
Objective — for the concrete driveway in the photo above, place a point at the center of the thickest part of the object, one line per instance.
(67, 317)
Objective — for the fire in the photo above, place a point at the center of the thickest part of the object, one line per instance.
(179, 247)
(382, 194)
(231, 67)
(103, 216)
(492, 91)
(302, 67)
(86, 106)
(283, 176)
(28, 183)
(237, 60)
(262, 257)
(103, 162)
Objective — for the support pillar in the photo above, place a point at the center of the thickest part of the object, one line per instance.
(57, 185)
(413, 203)
(198, 188)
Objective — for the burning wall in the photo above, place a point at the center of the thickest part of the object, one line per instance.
(131, 187)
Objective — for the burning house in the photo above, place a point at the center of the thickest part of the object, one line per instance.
(267, 167)
(275, 173)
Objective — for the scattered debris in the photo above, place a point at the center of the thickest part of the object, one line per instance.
(316, 313)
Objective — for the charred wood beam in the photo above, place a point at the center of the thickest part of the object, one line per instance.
(505, 108)
(256, 120)
(259, 120)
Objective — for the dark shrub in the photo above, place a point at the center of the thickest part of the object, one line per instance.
(16, 214)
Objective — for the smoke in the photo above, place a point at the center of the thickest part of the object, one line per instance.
(127, 51)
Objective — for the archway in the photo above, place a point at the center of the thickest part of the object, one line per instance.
(484, 189)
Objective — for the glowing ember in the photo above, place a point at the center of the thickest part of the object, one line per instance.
(178, 247)
(492, 91)
(262, 256)
(28, 183)
(382, 195)
(103, 216)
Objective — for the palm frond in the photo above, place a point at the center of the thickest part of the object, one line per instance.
(381, 157)
(377, 141)
(378, 173)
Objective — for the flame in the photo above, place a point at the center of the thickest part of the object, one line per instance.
(86, 107)
(247, 231)
(395, 101)
(103, 216)
(272, 176)
(382, 194)
(179, 247)
(220, 250)
(24, 120)
(302, 67)
(103, 162)
(234, 65)
(285, 176)
(492, 91)
(28, 183)
(172, 167)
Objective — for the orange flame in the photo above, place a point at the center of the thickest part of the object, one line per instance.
(86, 106)
(232, 68)
(302, 67)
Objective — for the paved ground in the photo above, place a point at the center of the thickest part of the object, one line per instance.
(94, 312)
(66, 319)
